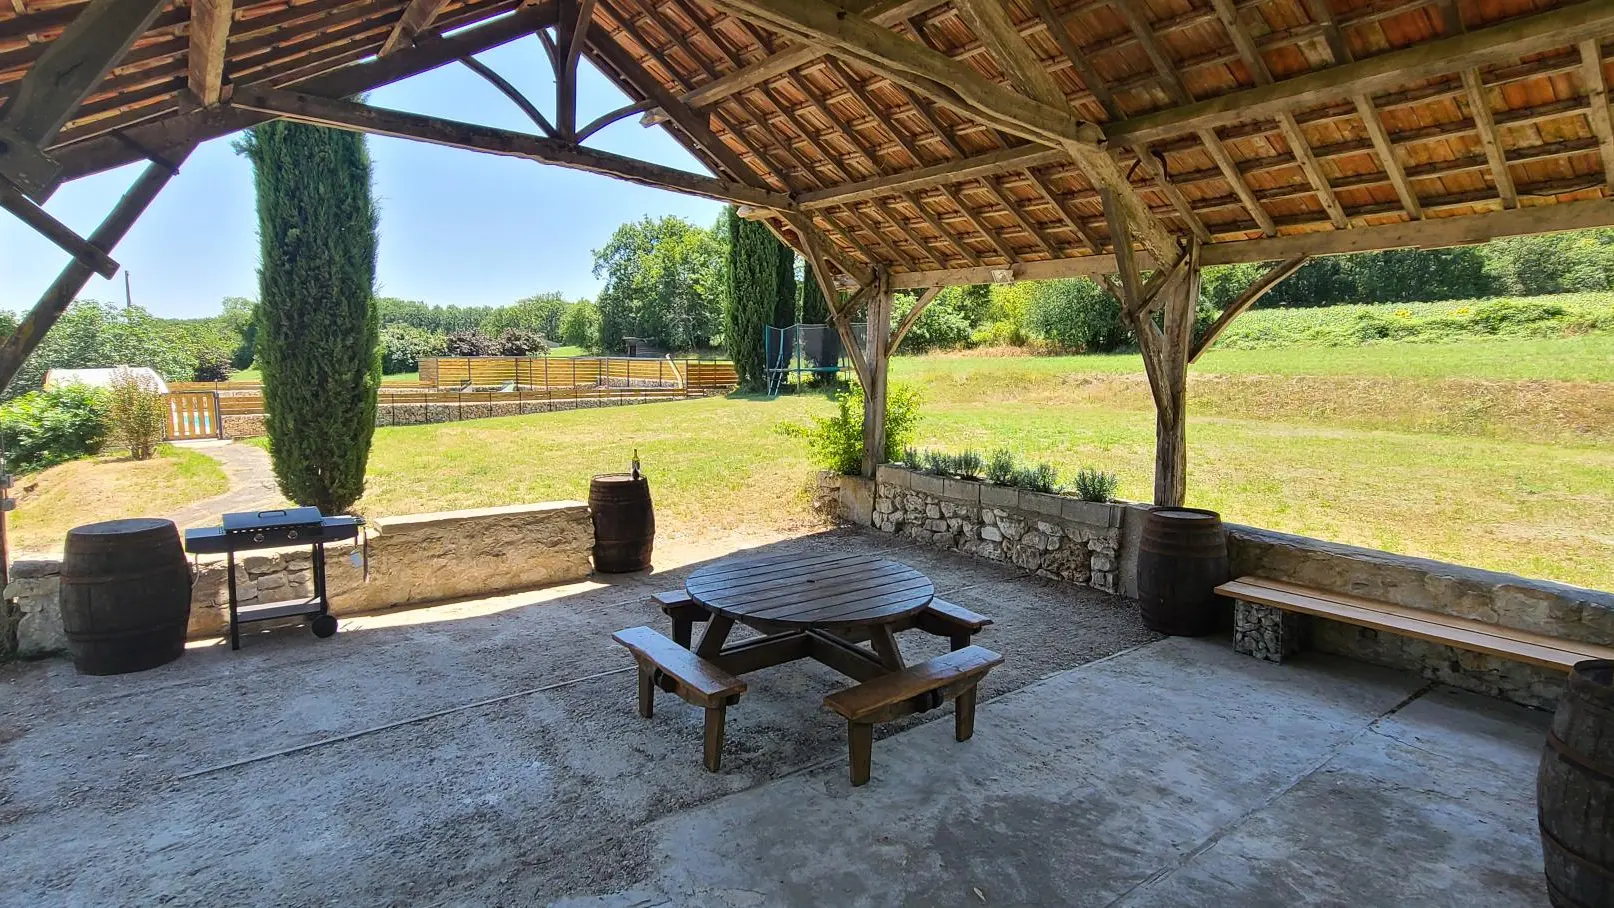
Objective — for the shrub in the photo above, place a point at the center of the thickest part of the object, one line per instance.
(938, 464)
(942, 326)
(212, 366)
(1096, 485)
(968, 465)
(403, 345)
(1000, 467)
(468, 343)
(520, 342)
(910, 457)
(1040, 478)
(135, 413)
(45, 428)
(1077, 315)
(836, 442)
(580, 326)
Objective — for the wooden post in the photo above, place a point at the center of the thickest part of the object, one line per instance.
(1174, 292)
(876, 335)
(71, 281)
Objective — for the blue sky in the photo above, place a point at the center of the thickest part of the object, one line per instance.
(456, 226)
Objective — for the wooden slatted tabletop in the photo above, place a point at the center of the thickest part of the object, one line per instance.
(812, 590)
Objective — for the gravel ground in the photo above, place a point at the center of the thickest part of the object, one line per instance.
(485, 752)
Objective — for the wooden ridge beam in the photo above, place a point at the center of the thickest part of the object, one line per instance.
(1480, 47)
(321, 111)
(937, 76)
(1263, 285)
(417, 18)
(166, 137)
(209, 35)
(59, 81)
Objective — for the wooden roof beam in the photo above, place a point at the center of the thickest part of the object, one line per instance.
(417, 17)
(209, 35)
(166, 137)
(1481, 47)
(1252, 294)
(308, 108)
(64, 75)
(1596, 87)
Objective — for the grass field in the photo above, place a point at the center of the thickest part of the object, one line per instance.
(1380, 446)
(106, 488)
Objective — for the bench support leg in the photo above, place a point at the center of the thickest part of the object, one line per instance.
(647, 691)
(715, 716)
(964, 715)
(959, 641)
(860, 738)
(683, 632)
(1265, 632)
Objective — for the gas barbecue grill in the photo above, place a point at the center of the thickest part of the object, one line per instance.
(270, 530)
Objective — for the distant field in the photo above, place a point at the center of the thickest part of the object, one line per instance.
(1564, 315)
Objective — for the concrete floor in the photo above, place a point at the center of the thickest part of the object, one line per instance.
(489, 753)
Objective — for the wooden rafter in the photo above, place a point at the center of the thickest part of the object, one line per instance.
(168, 136)
(1385, 72)
(1595, 85)
(1385, 149)
(209, 35)
(417, 18)
(66, 72)
(380, 121)
(939, 77)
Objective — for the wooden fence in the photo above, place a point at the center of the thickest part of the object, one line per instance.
(192, 414)
(574, 372)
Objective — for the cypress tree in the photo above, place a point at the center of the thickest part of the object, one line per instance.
(753, 283)
(784, 305)
(814, 310)
(317, 340)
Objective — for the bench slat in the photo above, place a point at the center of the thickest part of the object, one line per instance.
(874, 700)
(1465, 633)
(957, 614)
(706, 684)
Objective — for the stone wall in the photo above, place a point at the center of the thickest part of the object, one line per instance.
(416, 414)
(1097, 544)
(1049, 535)
(414, 560)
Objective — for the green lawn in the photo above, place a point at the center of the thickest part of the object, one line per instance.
(1380, 459)
(108, 487)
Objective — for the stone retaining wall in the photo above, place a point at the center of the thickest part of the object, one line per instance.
(1097, 545)
(417, 414)
(414, 560)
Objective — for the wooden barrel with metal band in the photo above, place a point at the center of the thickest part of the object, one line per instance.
(1575, 791)
(624, 522)
(125, 595)
(1182, 558)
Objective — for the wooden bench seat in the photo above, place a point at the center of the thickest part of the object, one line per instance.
(1462, 633)
(684, 612)
(665, 664)
(917, 688)
(955, 622)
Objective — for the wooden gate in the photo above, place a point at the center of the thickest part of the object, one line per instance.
(192, 414)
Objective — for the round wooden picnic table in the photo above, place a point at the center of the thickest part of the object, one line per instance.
(812, 590)
(836, 597)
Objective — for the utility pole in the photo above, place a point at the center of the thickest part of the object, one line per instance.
(128, 294)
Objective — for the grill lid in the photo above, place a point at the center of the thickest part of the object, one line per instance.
(252, 521)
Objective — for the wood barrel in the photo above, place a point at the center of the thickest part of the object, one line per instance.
(1182, 558)
(1575, 791)
(624, 523)
(125, 595)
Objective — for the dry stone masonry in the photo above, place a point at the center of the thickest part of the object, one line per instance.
(1049, 535)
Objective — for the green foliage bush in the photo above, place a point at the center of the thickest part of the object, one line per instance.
(135, 413)
(101, 335)
(1096, 485)
(1349, 326)
(469, 343)
(1076, 315)
(318, 320)
(942, 326)
(835, 443)
(1040, 478)
(540, 315)
(750, 303)
(1000, 467)
(403, 345)
(520, 342)
(44, 428)
(663, 281)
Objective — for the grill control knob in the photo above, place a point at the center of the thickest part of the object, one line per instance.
(291, 534)
(257, 537)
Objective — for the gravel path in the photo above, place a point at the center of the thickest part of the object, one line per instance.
(252, 484)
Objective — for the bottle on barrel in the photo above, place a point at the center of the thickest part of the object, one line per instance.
(624, 520)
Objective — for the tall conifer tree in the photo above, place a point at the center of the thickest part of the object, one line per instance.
(753, 286)
(317, 338)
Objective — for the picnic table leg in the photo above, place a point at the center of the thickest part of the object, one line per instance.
(964, 715)
(885, 646)
(683, 631)
(860, 737)
(717, 633)
(715, 716)
(647, 691)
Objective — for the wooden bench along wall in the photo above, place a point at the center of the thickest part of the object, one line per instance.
(1271, 623)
